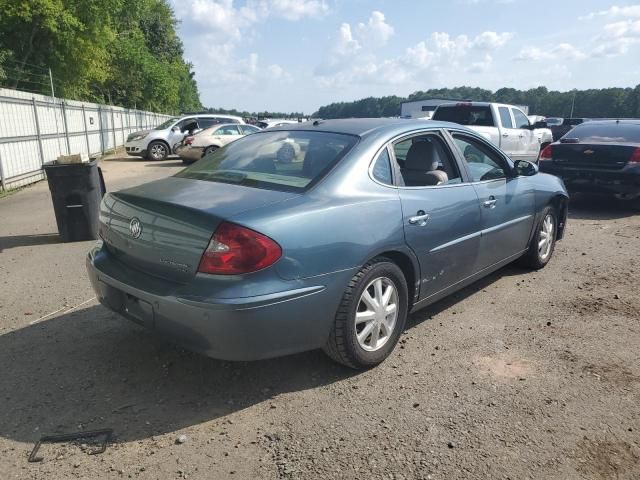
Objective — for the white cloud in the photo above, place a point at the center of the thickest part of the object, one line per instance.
(376, 31)
(491, 40)
(615, 11)
(562, 51)
(354, 60)
(625, 28)
(296, 9)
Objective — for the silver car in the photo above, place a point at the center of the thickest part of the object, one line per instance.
(210, 139)
(158, 143)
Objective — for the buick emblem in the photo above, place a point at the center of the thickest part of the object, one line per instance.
(135, 228)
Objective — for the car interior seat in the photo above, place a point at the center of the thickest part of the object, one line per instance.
(421, 166)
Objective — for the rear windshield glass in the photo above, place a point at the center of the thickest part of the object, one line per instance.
(465, 115)
(166, 124)
(606, 133)
(552, 122)
(279, 160)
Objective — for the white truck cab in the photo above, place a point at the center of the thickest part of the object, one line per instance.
(504, 125)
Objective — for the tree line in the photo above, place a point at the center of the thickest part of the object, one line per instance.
(123, 52)
(592, 103)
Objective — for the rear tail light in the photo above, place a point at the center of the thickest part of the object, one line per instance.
(188, 141)
(546, 153)
(234, 250)
(635, 157)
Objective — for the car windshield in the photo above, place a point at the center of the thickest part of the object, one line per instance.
(465, 115)
(279, 160)
(167, 124)
(606, 133)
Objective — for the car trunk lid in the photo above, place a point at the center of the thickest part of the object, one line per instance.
(592, 155)
(163, 227)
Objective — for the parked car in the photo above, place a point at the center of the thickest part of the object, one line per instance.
(158, 143)
(598, 156)
(194, 147)
(505, 126)
(543, 132)
(275, 123)
(563, 128)
(244, 255)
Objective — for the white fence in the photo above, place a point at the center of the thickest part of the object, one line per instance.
(35, 129)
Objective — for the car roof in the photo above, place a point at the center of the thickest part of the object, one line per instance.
(622, 121)
(365, 126)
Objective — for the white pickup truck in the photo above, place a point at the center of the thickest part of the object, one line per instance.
(505, 125)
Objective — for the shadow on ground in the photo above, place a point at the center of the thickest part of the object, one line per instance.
(598, 207)
(28, 240)
(93, 369)
(167, 163)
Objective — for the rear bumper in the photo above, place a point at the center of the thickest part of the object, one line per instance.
(625, 181)
(246, 328)
(189, 153)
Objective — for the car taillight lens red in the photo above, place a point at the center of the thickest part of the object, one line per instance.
(234, 250)
(546, 153)
(188, 141)
(635, 157)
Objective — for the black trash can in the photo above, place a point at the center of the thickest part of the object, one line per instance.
(76, 191)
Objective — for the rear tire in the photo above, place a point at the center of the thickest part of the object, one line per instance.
(157, 151)
(209, 149)
(371, 316)
(543, 242)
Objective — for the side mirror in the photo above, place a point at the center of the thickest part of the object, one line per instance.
(524, 168)
(175, 129)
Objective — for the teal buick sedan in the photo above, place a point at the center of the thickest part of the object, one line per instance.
(323, 234)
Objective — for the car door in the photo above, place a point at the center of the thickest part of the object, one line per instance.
(509, 136)
(226, 134)
(528, 143)
(441, 220)
(507, 202)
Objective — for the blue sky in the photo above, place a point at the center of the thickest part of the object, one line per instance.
(296, 55)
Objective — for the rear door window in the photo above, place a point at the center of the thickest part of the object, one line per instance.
(505, 117)
(227, 130)
(425, 161)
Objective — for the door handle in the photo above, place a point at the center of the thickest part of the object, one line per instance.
(420, 219)
(505, 135)
(521, 135)
(491, 203)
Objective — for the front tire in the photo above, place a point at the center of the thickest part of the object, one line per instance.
(371, 316)
(157, 151)
(543, 242)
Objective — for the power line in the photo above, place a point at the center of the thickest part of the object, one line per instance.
(23, 64)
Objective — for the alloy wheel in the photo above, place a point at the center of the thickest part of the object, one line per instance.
(545, 237)
(158, 151)
(376, 314)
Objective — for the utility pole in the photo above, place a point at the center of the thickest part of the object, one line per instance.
(53, 93)
(573, 103)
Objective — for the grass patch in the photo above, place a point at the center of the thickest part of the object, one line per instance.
(11, 191)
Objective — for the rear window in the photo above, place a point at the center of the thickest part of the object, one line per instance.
(606, 133)
(279, 160)
(465, 115)
(553, 122)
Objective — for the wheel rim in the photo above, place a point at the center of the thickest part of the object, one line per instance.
(158, 151)
(545, 237)
(377, 314)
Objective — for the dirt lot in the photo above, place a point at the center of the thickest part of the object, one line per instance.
(523, 375)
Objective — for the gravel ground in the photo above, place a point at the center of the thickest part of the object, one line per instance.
(522, 375)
